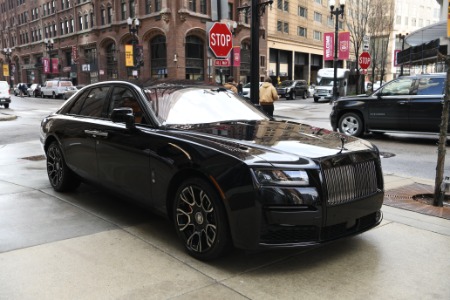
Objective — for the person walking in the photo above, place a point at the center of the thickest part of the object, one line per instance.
(230, 84)
(267, 95)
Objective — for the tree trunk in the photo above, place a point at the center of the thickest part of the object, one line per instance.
(438, 184)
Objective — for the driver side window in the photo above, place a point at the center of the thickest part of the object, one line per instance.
(402, 86)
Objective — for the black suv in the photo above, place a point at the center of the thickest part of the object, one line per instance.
(409, 103)
(290, 89)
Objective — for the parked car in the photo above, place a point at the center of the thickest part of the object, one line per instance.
(246, 90)
(17, 89)
(290, 89)
(34, 90)
(5, 96)
(55, 88)
(71, 90)
(409, 103)
(209, 160)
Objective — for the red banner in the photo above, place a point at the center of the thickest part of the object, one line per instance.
(55, 65)
(328, 45)
(46, 65)
(344, 45)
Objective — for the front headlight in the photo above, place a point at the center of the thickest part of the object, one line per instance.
(282, 177)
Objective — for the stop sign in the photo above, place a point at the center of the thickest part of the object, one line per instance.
(364, 60)
(220, 40)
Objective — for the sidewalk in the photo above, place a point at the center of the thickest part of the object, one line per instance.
(91, 245)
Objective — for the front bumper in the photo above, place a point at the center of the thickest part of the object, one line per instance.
(5, 100)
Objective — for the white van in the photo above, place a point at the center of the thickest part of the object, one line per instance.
(325, 79)
(5, 96)
(55, 88)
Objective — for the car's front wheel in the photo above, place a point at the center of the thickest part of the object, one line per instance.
(6, 105)
(305, 94)
(351, 124)
(61, 177)
(200, 220)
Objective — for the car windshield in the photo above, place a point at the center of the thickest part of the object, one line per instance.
(201, 105)
(286, 83)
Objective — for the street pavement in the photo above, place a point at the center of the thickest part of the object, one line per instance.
(92, 245)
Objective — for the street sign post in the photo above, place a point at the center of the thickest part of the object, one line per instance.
(220, 40)
(364, 60)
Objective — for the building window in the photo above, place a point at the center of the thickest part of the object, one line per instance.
(111, 62)
(123, 10)
(109, 15)
(303, 12)
(192, 5)
(148, 6)
(102, 16)
(318, 1)
(317, 35)
(301, 31)
(80, 22)
(413, 22)
(158, 57)
(279, 26)
(157, 5)
(286, 27)
(132, 9)
(280, 4)
(286, 5)
(317, 17)
(195, 64)
(204, 7)
(86, 21)
(398, 20)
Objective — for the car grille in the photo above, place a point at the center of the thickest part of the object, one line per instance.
(322, 91)
(276, 234)
(349, 178)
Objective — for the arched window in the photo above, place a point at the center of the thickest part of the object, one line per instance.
(158, 57)
(111, 62)
(194, 50)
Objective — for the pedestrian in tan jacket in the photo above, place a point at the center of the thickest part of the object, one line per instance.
(230, 85)
(267, 95)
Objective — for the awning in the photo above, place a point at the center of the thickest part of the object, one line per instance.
(427, 34)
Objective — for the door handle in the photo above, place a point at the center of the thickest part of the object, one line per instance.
(402, 102)
(96, 133)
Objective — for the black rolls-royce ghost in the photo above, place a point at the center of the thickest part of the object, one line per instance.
(224, 172)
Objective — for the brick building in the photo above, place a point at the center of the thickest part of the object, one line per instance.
(86, 40)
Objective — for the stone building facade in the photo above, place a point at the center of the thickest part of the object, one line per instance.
(88, 39)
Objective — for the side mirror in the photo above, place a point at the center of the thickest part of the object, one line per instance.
(123, 115)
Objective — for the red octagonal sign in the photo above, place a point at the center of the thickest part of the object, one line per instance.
(220, 40)
(364, 60)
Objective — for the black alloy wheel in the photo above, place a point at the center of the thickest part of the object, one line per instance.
(351, 124)
(61, 177)
(200, 220)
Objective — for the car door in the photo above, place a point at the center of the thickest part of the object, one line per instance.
(79, 134)
(389, 107)
(426, 105)
(123, 153)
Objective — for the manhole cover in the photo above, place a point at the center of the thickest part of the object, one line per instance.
(386, 154)
(35, 158)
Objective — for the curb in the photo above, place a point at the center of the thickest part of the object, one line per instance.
(6, 117)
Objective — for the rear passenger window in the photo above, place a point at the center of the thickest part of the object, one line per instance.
(431, 86)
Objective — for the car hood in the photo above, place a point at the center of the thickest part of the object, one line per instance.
(273, 141)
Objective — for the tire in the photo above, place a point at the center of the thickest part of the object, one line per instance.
(293, 95)
(316, 99)
(42, 95)
(54, 95)
(351, 124)
(61, 177)
(305, 95)
(6, 105)
(200, 220)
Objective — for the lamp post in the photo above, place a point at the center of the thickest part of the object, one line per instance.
(257, 10)
(402, 37)
(133, 27)
(336, 11)
(7, 52)
(49, 44)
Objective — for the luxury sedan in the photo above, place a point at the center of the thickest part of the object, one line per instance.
(222, 171)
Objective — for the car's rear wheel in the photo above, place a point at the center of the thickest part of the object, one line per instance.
(305, 94)
(200, 220)
(293, 95)
(6, 105)
(351, 124)
(61, 177)
(53, 95)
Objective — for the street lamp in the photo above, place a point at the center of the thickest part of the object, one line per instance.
(133, 27)
(256, 10)
(336, 11)
(7, 52)
(49, 43)
(402, 37)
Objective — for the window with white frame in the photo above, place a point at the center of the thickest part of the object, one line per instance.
(317, 35)
(301, 31)
(303, 12)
